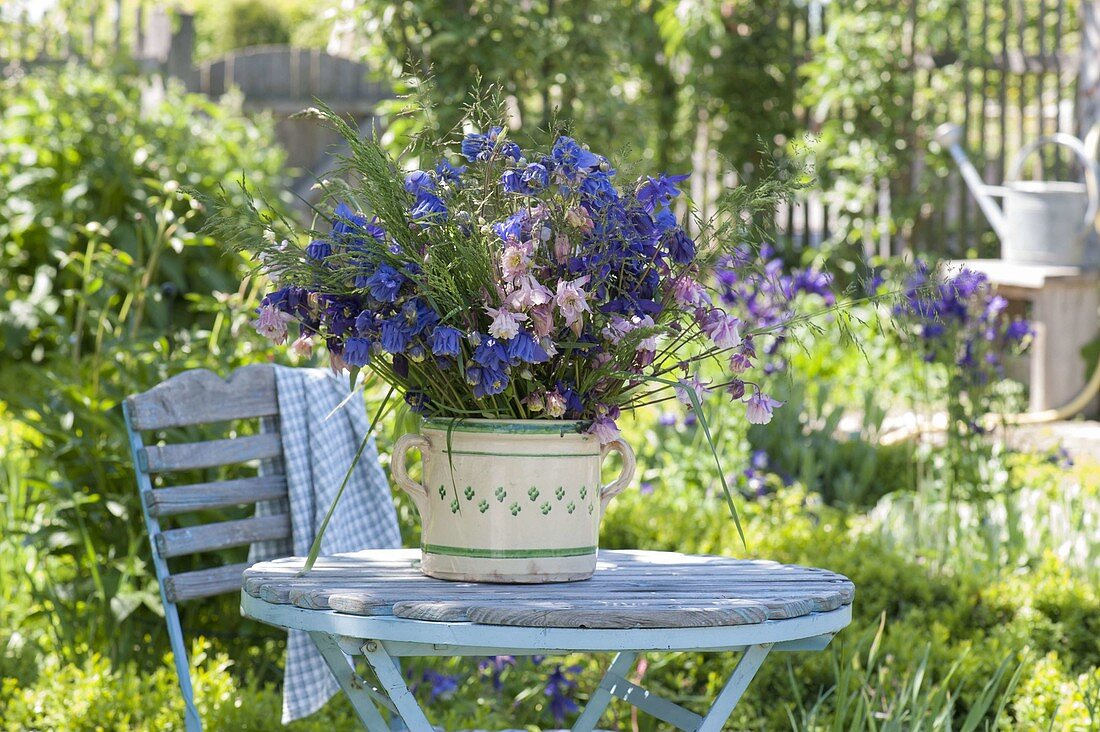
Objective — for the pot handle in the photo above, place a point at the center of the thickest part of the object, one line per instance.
(416, 491)
(618, 485)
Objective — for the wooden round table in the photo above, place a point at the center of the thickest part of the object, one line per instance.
(377, 604)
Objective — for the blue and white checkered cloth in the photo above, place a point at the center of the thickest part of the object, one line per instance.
(320, 438)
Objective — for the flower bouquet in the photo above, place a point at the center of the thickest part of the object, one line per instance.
(521, 300)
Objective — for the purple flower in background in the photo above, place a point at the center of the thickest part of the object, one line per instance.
(760, 406)
(1018, 330)
(443, 686)
(667, 419)
(495, 666)
(559, 687)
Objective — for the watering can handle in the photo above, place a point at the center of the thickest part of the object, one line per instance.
(1092, 178)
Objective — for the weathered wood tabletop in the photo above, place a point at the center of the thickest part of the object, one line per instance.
(631, 589)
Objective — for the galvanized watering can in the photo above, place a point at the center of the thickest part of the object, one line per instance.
(1040, 222)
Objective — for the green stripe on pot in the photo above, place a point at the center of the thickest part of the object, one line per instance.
(506, 426)
(462, 551)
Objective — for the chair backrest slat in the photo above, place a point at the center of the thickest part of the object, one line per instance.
(222, 535)
(211, 454)
(203, 397)
(202, 496)
(204, 582)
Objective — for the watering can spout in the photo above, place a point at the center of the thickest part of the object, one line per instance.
(950, 137)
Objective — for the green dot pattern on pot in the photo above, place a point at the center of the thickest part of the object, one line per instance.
(584, 492)
(469, 493)
(442, 493)
(501, 494)
(570, 507)
(454, 506)
(533, 493)
(483, 506)
(559, 493)
(515, 508)
(545, 508)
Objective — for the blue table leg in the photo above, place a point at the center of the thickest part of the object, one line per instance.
(597, 704)
(739, 680)
(358, 692)
(393, 683)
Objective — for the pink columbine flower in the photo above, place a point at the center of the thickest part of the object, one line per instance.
(572, 302)
(688, 292)
(302, 346)
(605, 429)
(694, 385)
(579, 217)
(562, 248)
(555, 404)
(337, 363)
(514, 261)
(722, 329)
(759, 407)
(535, 402)
(542, 318)
(616, 329)
(529, 294)
(271, 323)
(649, 343)
(505, 323)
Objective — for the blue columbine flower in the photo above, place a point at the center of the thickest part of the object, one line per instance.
(447, 173)
(478, 147)
(418, 181)
(418, 316)
(523, 348)
(680, 246)
(428, 209)
(319, 250)
(517, 226)
(346, 221)
(570, 159)
(559, 687)
(357, 352)
(384, 283)
(444, 341)
(535, 176)
(491, 354)
(396, 334)
(658, 192)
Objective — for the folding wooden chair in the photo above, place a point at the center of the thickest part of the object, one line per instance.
(197, 398)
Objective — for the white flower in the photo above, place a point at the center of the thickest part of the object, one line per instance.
(514, 261)
(505, 323)
(572, 301)
(529, 294)
(271, 323)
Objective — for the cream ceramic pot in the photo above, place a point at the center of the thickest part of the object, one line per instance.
(509, 500)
